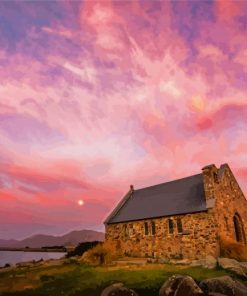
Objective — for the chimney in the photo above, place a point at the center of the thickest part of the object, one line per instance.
(210, 174)
(131, 188)
(210, 180)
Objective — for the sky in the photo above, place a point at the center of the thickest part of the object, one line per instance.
(98, 95)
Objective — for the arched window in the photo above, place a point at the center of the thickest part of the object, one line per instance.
(179, 225)
(170, 226)
(239, 228)
(126, 230)
(153, 228)
(130, 230)
(146, 228)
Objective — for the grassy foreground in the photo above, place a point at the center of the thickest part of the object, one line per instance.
(78, 280)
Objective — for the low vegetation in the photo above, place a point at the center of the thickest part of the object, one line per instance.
(101, 254)
(232, 249)
(75, 279)
(89, 274)
(82, 248)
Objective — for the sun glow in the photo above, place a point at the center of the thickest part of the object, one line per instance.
(80, 202)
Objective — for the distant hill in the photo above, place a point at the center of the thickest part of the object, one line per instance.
(42, 240)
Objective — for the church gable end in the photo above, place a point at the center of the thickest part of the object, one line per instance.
(231, 207)
(180, 219)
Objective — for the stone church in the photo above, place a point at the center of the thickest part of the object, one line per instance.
(182, 218)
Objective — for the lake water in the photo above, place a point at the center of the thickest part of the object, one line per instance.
(12, 257)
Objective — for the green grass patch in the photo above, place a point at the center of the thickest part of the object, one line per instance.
(78, 280)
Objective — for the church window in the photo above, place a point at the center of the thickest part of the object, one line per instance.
(146, 228)
(125, 229)
(131, 230)
(179, 225)
(239, 229)
(170, 226)
(153, 228)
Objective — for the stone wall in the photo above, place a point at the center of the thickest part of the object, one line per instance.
(199, 237)
(229, 201)
(201, 231)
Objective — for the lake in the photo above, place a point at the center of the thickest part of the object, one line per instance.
(13, 257)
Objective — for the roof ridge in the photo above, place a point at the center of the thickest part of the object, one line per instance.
(118, 207)
(168, 182)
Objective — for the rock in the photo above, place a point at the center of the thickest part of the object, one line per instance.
(163, 260)
(40, 262)
(180, 285)
(240, 289)
(216, 294)
(233, 265)
(6, 269)
(152, 260)
(244, 264)
(180, 262)
(26, 264)
(118, 289)
(196, 263)
(223, 285)
(208, 262)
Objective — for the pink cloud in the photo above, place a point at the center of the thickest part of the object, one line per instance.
(227, 11)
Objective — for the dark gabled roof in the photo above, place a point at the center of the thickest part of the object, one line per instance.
(172, 198)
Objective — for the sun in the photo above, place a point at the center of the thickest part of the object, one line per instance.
(80, 202)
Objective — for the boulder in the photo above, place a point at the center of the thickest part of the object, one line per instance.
(244, 264)
(118, 289)
(223, 285)
(216, 294)
(180, 285)
(152, 260)
(163, 260)
(195, 263)
(208, 262)
(233, 265)
(180, 262)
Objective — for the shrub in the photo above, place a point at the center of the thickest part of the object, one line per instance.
(101, 254)
(82, 248)
(46, 277)
(232, 249)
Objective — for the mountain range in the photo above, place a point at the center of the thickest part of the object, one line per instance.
(42, 240)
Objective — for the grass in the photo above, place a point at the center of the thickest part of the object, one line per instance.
(79, 280)
(232, 249)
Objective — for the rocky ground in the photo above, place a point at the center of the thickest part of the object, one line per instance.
(182, 285)
(126, 277)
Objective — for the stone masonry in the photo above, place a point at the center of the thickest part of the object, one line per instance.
(200, 233)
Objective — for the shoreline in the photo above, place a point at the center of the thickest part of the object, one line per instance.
(50, 250)
(32, 263)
